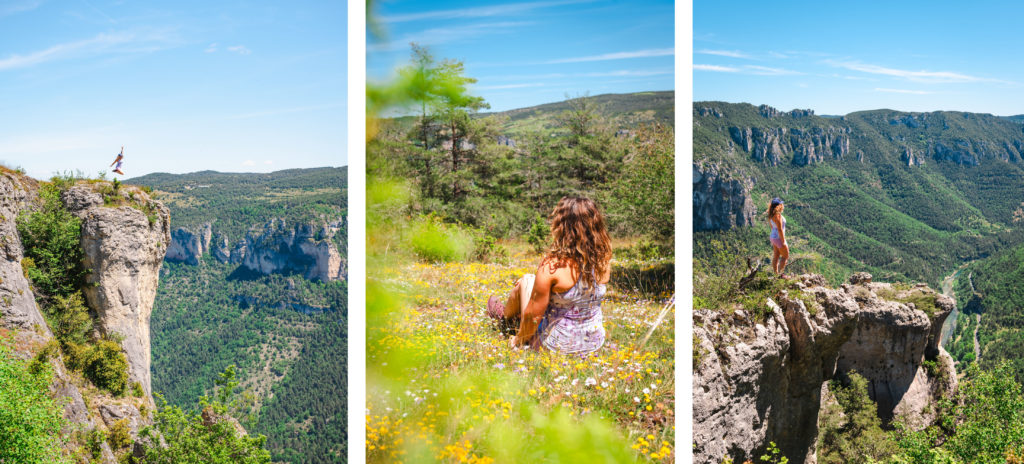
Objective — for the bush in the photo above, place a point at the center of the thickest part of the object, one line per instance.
(538, 234)
(435, 241)
(189, 438)
(852, 432)
(30, 420)
(50, 236)
(120, 435)
(69, 319)
(105, 365)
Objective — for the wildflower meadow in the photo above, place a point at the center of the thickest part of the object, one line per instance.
(444, 385)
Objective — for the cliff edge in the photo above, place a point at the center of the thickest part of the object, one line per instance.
(757, 381)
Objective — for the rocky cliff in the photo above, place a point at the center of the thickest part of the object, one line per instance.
(719, 200)
(275, 247)
(123, 247)
(761, 381)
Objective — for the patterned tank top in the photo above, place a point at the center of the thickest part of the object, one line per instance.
(573, 322)
(775, 229)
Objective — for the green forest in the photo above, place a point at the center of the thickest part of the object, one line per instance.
(286, 335)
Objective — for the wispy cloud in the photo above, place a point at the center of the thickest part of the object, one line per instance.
(443, 35)
(240, 49)
(728, 53)
(479, 12)
(766, 71)
(923, 76)
(617, 56)
(248, 163)
(629, 72)
(14, 7)
(103, 43)
(211, 48)
(508, 86)
(913, 92)
(715, 68)
(298, 109)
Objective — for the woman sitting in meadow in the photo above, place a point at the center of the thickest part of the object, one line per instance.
(559, 308)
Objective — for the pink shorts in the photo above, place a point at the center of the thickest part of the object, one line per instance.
(776, 242)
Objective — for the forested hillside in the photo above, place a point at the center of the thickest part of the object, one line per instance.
(905, 196)
(286, 334)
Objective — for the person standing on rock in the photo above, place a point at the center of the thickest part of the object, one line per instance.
(120, 156)
(780, 248)
(559, 308)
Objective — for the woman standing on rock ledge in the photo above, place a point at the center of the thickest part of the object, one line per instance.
(780, 249)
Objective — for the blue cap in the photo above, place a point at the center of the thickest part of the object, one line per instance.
(776, 201)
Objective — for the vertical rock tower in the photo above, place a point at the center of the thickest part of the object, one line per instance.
(124, 247)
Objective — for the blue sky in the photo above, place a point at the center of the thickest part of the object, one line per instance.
(185, 85)
(531, 52)
(840, 57)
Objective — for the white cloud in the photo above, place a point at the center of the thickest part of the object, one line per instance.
(444, 35)
(507, 86)
(240, 49)
(746, 69)
(714, 68)
(212, 48)
(728, 53)
(297, 109)
(766, 71)
(124, 42)
(914, 92)
(268, 162)
(932, 77)
(478, 12)
(13, 7)
(629, 72)
(248, 163)
(617, 56)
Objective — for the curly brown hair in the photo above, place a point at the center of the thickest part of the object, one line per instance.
(580, 238)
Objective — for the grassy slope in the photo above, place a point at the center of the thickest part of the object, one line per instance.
(406, 419)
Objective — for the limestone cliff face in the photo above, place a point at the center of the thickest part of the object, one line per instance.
(758, 382)
(124, 248)
(720, 201)
(303, 249)
(124, 251)
(189, 246)
(276, 247)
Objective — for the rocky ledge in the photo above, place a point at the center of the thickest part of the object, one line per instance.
(757, 381)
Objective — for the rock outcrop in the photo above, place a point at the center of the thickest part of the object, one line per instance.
(124, 247)
(805, 146)
(305, 249)
(301, 249)
(189, 245)
(761, 381)
(720, 202)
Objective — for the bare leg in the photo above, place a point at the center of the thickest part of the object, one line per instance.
(783, 259)
(512, 304)
(775, 259)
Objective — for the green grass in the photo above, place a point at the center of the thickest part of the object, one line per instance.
(449, 388)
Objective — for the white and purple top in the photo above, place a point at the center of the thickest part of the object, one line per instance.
(573, 322)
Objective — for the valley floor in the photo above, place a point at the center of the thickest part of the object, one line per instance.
(466, 397)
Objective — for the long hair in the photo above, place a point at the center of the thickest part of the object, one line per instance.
(771, 210)
(579, 236)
